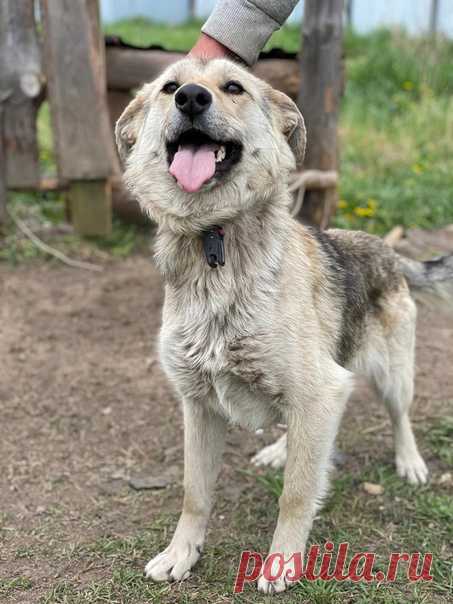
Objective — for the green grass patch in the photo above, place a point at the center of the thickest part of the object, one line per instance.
(440, 437)
(9, 586)
(44, 214)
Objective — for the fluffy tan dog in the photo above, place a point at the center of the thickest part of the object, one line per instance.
(264, 320)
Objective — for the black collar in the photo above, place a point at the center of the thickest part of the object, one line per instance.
(213, 246)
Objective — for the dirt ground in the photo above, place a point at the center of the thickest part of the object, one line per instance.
(85, 407)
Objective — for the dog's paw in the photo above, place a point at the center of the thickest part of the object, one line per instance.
(269, 583)
(271, 587)
(174, 563)
(412, 467)
(273, 455)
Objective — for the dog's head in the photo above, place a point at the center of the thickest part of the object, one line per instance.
(205, 141)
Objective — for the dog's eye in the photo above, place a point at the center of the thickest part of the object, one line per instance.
(233, 88)
(170, 87)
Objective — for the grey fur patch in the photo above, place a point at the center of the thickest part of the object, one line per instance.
(360, 269)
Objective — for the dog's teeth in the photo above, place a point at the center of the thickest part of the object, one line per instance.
(220, 154)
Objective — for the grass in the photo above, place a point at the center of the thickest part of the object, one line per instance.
(8, 586)
(143, 32)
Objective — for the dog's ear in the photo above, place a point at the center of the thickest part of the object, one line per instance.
(129, 124)
(291, 123)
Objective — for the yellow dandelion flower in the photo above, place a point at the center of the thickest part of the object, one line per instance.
(363, 212)
(342, 204)
(372, 204)
(408, 85)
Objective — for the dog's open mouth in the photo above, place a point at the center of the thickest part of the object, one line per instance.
(195, 158)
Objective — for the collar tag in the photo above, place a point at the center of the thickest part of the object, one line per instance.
(213, 246)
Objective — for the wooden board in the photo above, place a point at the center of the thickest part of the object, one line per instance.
(129, 68)
(2, 173)
(75, 67)
(90, 205)
(21, 83)
(319, 99)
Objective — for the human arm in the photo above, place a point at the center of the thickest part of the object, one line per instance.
(241, 28)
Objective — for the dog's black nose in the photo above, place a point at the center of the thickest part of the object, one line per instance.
(193, 99)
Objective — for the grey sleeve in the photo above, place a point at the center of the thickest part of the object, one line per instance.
(244, 26)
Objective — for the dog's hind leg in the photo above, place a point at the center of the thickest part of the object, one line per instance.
(273, 455)
(393, 375)
(204, 438)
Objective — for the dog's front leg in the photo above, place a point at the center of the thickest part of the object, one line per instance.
(312, 427)
(204, 438)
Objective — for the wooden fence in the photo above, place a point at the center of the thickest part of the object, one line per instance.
(55, 49)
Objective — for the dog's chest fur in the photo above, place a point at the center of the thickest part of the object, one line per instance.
(213, 341)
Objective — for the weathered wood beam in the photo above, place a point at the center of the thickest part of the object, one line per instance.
(434, 17)
(21, 83)
(319, 99)
(75, 65)
(3, 192)
(90, 206)
(77, 92)
(129, 68)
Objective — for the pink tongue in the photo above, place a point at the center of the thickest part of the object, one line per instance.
(193, 166)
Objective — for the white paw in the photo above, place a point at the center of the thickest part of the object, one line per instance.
(273, 455)
(412, 467)
(271, 587)
(276, 582)
(174, 563)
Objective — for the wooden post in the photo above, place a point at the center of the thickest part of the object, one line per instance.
(75, 62)
(319, 97)
(434, 17)
(2, 174)
(192, 9)
(349, 10)
(90, 206)
(21, 82)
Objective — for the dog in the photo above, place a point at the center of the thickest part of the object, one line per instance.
(265, 320)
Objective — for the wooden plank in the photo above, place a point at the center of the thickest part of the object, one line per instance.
(319, 99)
(129, 68)
(75, 67)
(2, 173)
(434, 17)
(90, 205)
(349, 10)
(21, 83)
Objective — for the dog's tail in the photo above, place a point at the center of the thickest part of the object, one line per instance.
(430, 282)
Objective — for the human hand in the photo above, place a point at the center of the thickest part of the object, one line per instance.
(208, 48)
